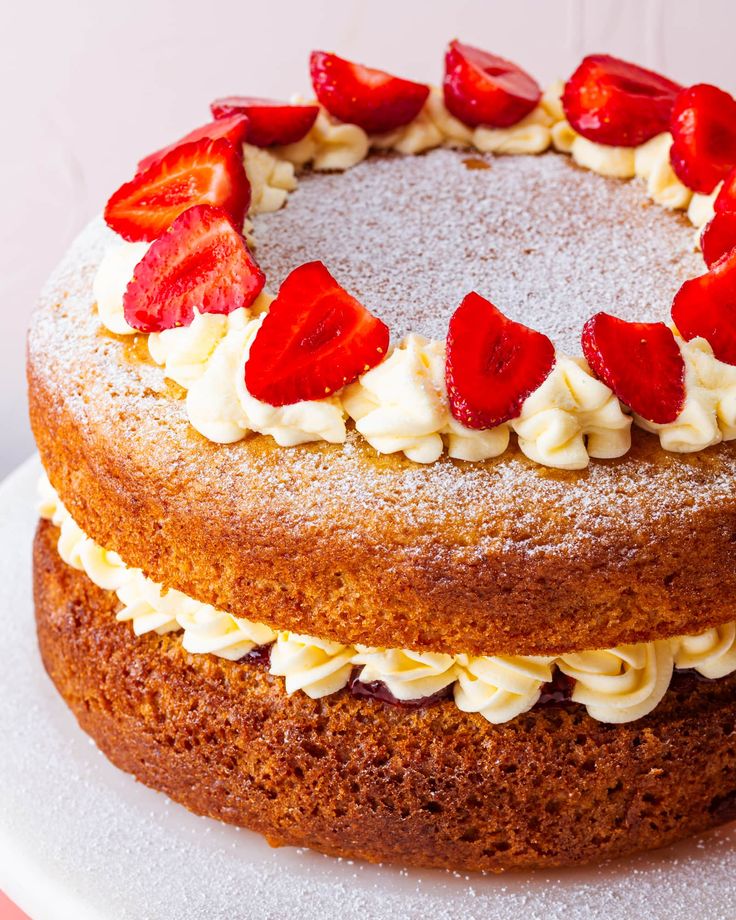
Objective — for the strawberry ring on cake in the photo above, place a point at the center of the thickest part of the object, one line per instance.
(396, 425)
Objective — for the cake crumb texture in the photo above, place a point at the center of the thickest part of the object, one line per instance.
(434, 787)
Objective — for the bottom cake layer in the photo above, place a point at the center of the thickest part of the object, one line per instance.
(365, 779)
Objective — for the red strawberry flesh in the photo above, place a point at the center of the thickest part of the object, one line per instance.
(233, 129)
(726, 197)
(640, 362)
(703, 128)
(202, 262)
(270, 122)
(374, 100)
(616, 103)
(315, 339)
(200, 172)
(706, 306)
(493, 364)
(483, 89)
(718, 237)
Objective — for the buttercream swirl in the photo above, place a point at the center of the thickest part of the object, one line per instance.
(571, 417)
(407, 675)
(271, 179)
(329, 145)
(220, 407)
(712, 653)
(615, 685)
(185, 350)
(401, 405)
(620, 684)
(208, 630)
(112, 278)
(500, 688)
(315, 666)
(709, 414)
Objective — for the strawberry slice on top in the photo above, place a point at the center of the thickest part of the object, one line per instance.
(640, 362)
(270, 122)
(703, 129)
(374, 100)
(200, 172)
(718, 237)
(706, 306)
(315, 339)
(616, 103)
(233, 129)
(492, 364)
(202, 262)
(483, 89)
(726, 197)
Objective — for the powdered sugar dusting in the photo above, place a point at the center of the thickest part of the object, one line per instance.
(504, 504)
(549, 243)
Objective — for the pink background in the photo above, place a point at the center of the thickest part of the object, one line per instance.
(87, 87)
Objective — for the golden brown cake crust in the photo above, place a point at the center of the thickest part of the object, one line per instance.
(434, 787)
(503, 556)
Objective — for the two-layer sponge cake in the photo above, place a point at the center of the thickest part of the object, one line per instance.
(397, 519)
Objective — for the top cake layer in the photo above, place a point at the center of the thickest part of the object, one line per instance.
(547, 241)
(332, 540)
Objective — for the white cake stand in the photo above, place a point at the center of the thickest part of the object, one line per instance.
(79, 840)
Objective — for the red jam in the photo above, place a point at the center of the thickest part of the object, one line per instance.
(558, 690)
(377, 690)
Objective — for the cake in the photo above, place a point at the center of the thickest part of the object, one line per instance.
(389, 501)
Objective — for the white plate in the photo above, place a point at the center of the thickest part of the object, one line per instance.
(79, 840)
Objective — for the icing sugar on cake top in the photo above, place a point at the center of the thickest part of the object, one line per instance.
(549, 243)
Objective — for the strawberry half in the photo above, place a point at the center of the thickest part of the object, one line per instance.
(492, 364)
(201, 172)
(373, 99)
(616, 103)
(483, 89)
(726, 197)
(640, 362)
(315, 339)
(201, 261)
(706, 306)
(270, 122)
(718, 237)
(233, 129)
(704, 136)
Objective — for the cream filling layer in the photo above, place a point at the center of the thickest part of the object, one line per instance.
(615, 685)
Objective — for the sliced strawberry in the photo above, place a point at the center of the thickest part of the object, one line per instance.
(616, 103)
(233, 129)
(492, 363)
(704, 136)
(373, 99)
(726, 197)
(201, 172)
(706, 306)
(483, 89)
(270, 122)
(640, 362)
(315, 339)
(718, 236)
(201, 261)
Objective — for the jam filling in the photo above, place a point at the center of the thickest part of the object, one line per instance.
(377, 690)
(558, 690)
(555, 692)
(259, 654)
